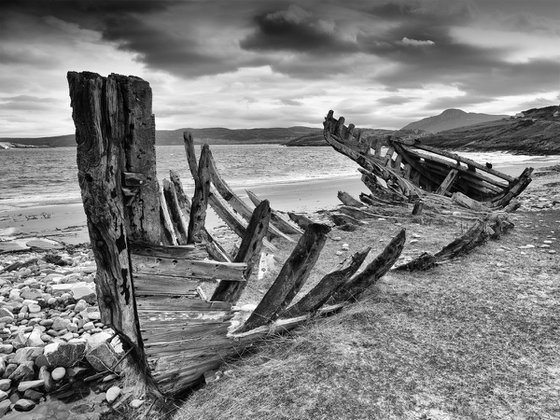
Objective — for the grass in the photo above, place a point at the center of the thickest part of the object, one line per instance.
(476, 338)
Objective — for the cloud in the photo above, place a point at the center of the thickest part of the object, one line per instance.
(394, 100)
(296, 29)
(416, 42)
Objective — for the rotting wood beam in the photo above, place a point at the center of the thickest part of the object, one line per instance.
(249, 253)
(447, 182)
(326, 287)
(276, 218)
(291, 278)
(200, 199)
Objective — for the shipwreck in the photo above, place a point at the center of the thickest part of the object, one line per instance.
(153, 251)
(410, 171)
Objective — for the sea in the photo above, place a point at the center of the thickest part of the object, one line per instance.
(39, 177)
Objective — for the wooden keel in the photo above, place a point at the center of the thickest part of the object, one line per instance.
(291, 278)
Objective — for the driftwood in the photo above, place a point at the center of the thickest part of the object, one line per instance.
(301, 220)
(491, 227)
(291, 278)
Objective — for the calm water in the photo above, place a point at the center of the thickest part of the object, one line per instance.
(33, 177)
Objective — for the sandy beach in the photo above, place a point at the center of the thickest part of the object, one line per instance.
(67, 222)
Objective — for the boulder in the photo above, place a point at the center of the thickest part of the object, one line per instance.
(102, 357)
(65, 354)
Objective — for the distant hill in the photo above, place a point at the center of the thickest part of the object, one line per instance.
(449, 119)
(201, 135)
(535, 131)
(317, 139)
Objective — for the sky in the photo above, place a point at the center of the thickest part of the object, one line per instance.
(260, 63)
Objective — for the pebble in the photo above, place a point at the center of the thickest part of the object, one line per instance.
(136, 403)
(112, 394)
(5, 384)
(58, 373)
(24, 405)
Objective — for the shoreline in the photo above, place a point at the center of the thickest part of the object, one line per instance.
(66, 222)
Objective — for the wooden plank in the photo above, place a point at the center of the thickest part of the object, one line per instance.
(167, 224)
(186, 333)
(376, 269)
(213, 247)
(465, 160)
(199, 269)
(249, 253)
(291, 278)
(157, 284)
(200, 199)
(192, 251)
(276, 218)
(238, 205)
(325, 288)
(178, 219)
(168, 304)
(99, 115)
(447, 182)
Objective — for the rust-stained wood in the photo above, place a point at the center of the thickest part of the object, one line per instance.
(447, 182)
(105, 119)
(249, 253)
(376, 269)
(200, 198)
(291, 278)
(199, 269)
(213, 247)
(276, 218)
(348, 200)
(328, 285)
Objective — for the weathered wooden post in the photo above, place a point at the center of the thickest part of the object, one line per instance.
(116, 156)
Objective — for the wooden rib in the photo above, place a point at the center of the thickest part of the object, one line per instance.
(361, 214)
(354, 287)
(276, 218)
(191, 155)
(200, 198)
(158, 284)
(447, 182)
(238, 205)
(215, 250)
(348, 200)
(326, 287)
(291, 277)
(249, 253)
(169, 230)
(468, 161)
(517, 188)
(178, 220)
(199, 269)
(193, 252)
(301, 220)
(343, 219)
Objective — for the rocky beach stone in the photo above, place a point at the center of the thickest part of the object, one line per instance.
(4, 407)
(47, 379)
(136, 403)
(65, 354)
(25, 385)
(24, 405)
(23, 372)
(58, 373)
(5, 384)
(33, 395)
(34, 339)
(102, 357)
(112, 394)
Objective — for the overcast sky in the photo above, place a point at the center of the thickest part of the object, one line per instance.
(242, 64)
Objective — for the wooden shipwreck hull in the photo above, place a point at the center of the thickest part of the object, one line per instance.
(153, 251)
(410, 169)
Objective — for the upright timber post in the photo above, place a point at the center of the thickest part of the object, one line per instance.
(115, 138)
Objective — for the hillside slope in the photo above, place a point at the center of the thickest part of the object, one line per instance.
(217, 135)
(317, 139)
(451, 118)
(536, 132)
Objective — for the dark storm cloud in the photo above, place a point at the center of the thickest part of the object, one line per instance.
(295, 29)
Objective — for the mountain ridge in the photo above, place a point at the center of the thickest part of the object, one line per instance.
(449, 119)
